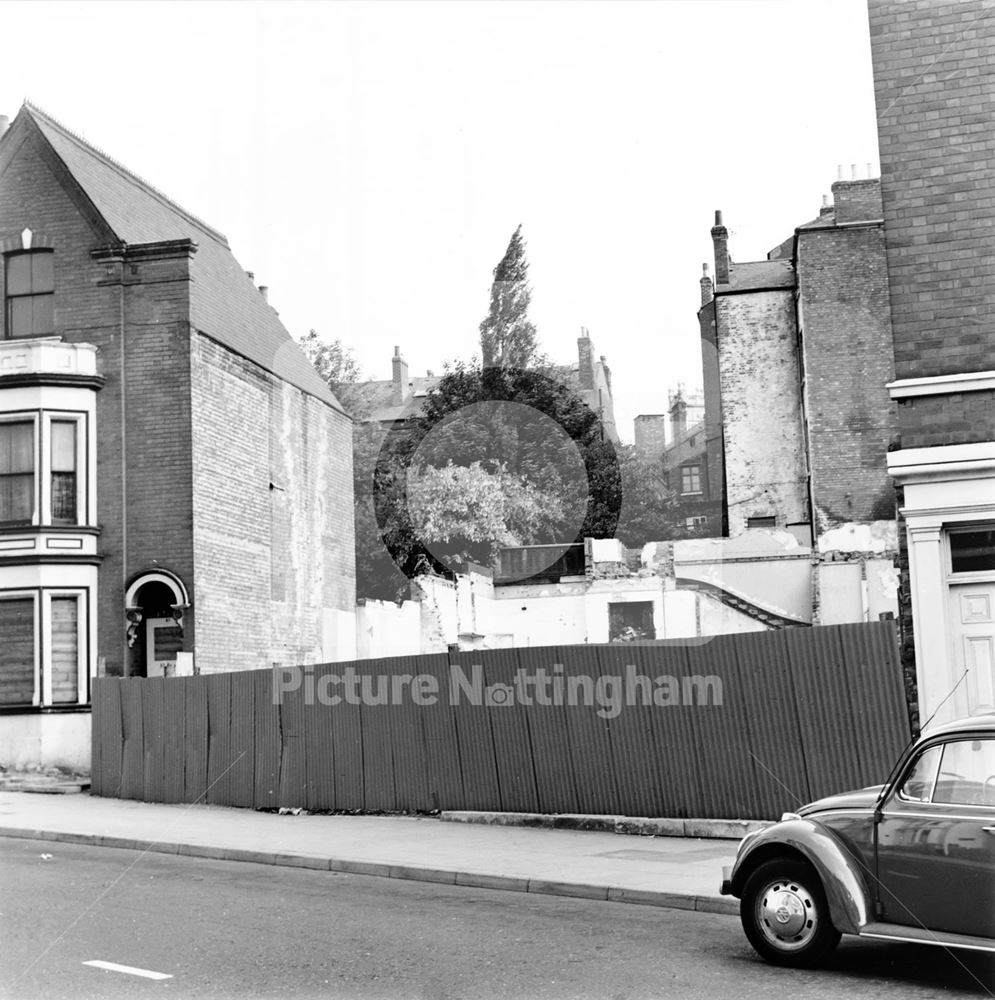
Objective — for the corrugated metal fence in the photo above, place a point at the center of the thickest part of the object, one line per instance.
(802, 713)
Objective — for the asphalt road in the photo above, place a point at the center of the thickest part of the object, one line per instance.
(225, 929)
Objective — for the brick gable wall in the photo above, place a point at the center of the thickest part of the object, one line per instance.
(846, 340)
(271, 563)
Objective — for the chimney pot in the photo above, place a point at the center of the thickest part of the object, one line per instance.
(718, 217)
(839, 171)
(4, 124)
(264, 292)
(853, 171)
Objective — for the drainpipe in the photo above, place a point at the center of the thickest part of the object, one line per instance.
(124, 454)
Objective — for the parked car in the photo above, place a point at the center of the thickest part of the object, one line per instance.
(910, 860)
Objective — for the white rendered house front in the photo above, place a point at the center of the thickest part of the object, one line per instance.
(48, 551)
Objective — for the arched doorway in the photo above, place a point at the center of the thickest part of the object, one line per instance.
(154, 607)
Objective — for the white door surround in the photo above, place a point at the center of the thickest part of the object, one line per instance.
(946, 488)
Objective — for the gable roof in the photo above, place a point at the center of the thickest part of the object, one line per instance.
(224, 303)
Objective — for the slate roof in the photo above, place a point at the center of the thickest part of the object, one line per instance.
(758, 274)
(377, 397)
(826, 221)
(224, 303)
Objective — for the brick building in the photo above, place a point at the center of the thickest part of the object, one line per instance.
(175, 479)
(934, 80)
(678, 441)
(797, 354)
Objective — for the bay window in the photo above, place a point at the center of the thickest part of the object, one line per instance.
(17, 472)
(63, 476)
(64, 663)
(42, 465)
(48, 672)
(18, 651)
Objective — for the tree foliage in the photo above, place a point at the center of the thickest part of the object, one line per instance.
(337, 365)
(648, 508)
(468, 513)
(507, 335)
(532, 425)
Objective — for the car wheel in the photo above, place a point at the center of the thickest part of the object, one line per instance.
(785, 914)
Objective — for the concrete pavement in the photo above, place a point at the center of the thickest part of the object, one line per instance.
(682, 873)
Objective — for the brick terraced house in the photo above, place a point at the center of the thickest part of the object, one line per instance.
(934, 79)
(175, 479)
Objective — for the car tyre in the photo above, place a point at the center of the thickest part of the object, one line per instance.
(785, 915)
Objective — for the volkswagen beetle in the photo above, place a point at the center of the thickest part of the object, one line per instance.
(910, 860)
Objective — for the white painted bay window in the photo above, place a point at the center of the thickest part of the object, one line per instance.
(19, 649)
(17, 471)
(42, 469)
(50, 673)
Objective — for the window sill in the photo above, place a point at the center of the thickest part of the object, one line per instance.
(43, 709)
(49, 529)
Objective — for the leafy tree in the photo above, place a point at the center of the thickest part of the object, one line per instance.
(387, 549)
(337, 365)
(467, 513)
(507, 336)
(648, 507)
(529, 423)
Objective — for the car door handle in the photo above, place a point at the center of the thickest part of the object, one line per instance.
(988, 829)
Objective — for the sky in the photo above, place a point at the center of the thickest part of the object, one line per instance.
(369, 161)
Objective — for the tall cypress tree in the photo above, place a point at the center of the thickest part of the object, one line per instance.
(507, 336)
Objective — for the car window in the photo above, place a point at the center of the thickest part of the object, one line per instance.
(918, 783)
(967, 773)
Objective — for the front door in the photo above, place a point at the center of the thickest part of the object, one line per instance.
(973, 617)
(163, 639)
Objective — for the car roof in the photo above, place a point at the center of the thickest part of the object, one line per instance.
(971, 723)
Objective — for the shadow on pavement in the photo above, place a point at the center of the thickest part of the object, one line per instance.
(922, 965)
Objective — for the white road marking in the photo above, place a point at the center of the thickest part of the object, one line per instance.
(130, 969)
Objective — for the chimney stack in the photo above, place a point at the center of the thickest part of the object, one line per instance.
(399, 373)
(585, 359)
(706, 285)
(678, 413)
(720, 242)
(4, 124)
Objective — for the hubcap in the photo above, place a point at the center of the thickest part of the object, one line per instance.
(787, 914)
